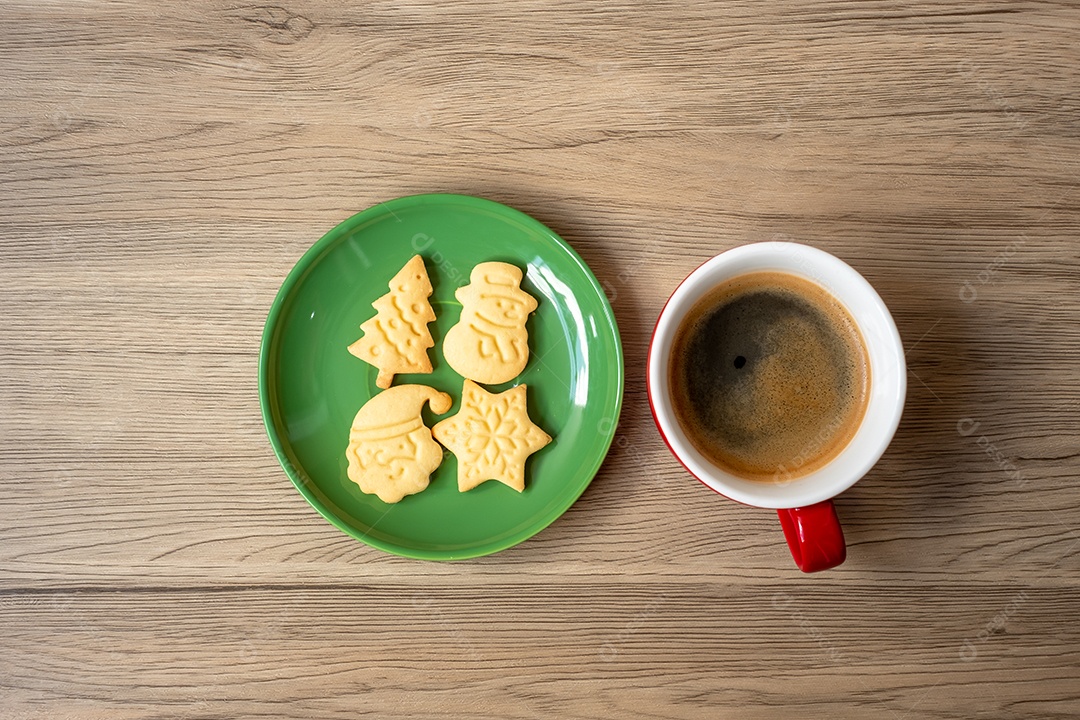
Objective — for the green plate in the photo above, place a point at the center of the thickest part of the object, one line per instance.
(310, 387)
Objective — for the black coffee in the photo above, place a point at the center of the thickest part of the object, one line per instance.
(769, 376)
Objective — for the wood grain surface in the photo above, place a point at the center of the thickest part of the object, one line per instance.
(162, 166)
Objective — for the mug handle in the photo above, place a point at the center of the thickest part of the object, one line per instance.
(814, 536)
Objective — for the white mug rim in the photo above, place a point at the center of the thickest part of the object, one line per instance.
(888, 372)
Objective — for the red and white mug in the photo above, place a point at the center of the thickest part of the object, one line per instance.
(804, 504)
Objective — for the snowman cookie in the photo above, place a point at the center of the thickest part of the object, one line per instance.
(490, 344)
(391, 452)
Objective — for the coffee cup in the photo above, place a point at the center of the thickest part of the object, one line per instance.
(803, 503)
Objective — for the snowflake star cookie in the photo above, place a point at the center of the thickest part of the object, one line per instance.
(397, 338)
(490, 344)
(391, 453)
(491, 435)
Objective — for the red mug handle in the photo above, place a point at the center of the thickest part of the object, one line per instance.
(814, 536)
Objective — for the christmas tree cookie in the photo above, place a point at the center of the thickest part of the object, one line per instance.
(491, 436)
(396, 340)
(490, 344)
(391, 453)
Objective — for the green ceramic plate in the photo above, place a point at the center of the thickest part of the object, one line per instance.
(310, 387)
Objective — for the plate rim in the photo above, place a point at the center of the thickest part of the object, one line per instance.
(300, 269)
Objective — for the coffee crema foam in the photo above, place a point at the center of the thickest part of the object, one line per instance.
(769, 376)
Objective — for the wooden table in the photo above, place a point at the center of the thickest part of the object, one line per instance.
(164, 165)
